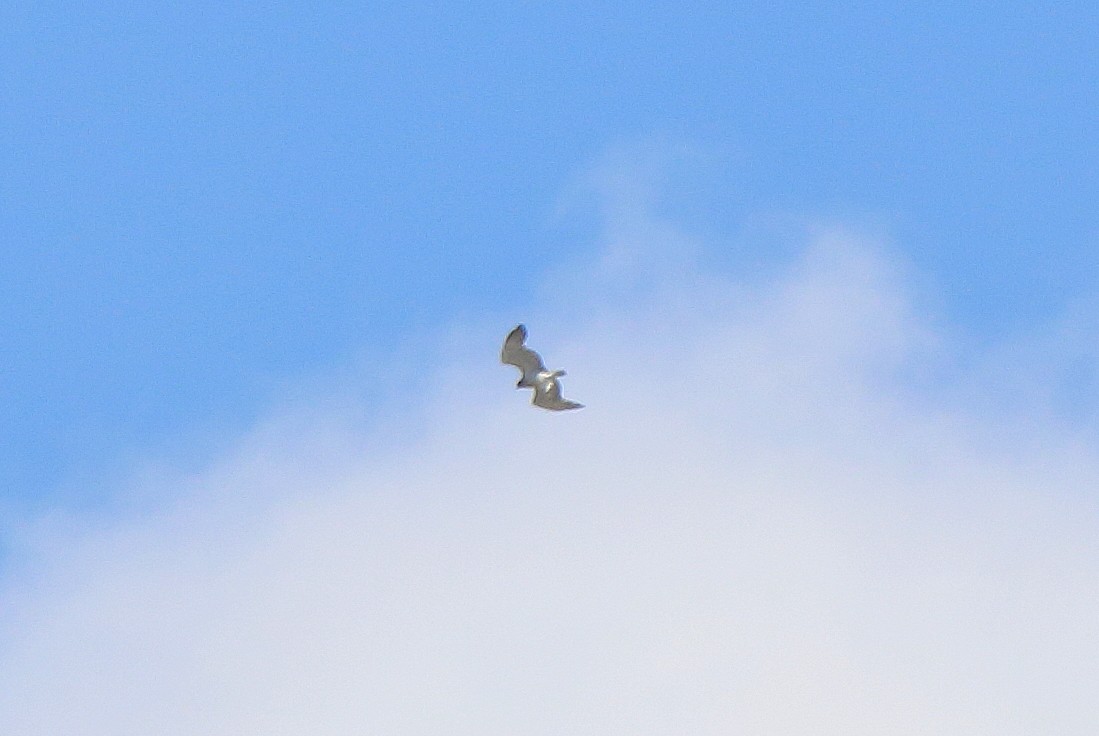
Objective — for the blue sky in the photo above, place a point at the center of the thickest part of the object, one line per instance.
(824, 276)
(205, 202)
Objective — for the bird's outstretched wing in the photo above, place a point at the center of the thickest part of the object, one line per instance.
(548, 396)
(517, 354)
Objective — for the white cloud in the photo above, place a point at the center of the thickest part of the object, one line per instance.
(759, 525)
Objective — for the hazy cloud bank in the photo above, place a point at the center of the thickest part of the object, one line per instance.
(764, 523)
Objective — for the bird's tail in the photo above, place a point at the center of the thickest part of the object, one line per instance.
(558, 374)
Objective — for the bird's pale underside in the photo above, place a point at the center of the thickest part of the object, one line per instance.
(547, 390)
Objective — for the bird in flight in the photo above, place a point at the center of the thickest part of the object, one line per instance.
(547, 391)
